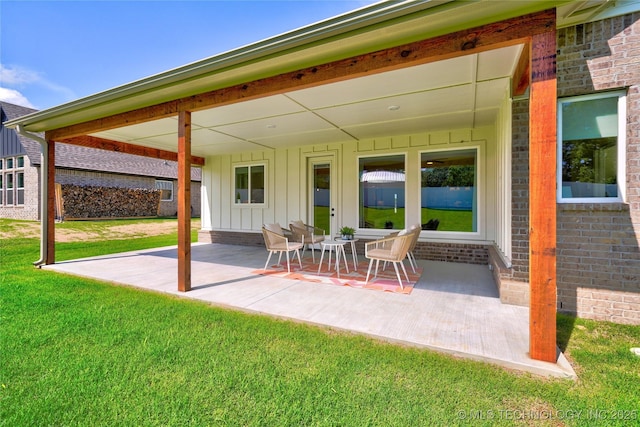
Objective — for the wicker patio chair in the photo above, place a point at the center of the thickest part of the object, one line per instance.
(308, 235)
(389, 249)
(414, 230)
(275, 241)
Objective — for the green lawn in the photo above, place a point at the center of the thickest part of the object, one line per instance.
(77, 352)
(450, 220)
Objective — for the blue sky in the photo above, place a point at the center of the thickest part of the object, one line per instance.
(53, 52)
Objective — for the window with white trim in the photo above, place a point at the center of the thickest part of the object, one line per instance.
(166, 190)
(382, 192)
(449, 190)
(19, 188)
(8, 177)
(591, 148)
(249, 184)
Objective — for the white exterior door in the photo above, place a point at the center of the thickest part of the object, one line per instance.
(321, 194)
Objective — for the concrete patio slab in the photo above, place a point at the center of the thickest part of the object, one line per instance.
(454, 308)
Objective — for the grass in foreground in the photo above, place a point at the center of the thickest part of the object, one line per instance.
(79, 352)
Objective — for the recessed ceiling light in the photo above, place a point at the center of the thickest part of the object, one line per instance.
(394, 107)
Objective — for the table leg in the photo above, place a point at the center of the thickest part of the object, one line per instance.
(344, 257)
(321, 258)
(354, 255)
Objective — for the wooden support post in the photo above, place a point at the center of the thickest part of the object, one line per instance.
(184, 201)
(542, 198)
(51, 203)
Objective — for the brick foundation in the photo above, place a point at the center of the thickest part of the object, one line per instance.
(514, 292)
(448, 252)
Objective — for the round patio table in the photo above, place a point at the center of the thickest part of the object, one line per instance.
(354, 254)
(338, 246)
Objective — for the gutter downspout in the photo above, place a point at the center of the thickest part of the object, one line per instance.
(44, 192)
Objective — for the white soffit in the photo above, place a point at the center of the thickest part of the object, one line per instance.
(434, 75)
(463, 92)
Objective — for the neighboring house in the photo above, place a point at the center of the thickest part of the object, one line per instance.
(508, 129)
(83, 166)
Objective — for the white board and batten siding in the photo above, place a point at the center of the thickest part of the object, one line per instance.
(286, 181)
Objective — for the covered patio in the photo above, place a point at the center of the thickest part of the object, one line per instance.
(392, 81)
(454, 308)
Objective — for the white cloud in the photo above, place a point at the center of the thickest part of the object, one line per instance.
(12, 96)
(16, 77)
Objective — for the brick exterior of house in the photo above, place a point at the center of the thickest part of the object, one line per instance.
(598, 254)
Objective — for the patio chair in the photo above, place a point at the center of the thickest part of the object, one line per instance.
(389, 249)
(414, 230)
(432, 224)
(275, 241)
(308, 235)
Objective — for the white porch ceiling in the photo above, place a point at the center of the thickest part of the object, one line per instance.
(463, 92)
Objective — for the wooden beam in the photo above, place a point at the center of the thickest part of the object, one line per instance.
(123, 147)
(542, 192)
(184, 201)
(490, 36)
(522, 74)
(51, 203)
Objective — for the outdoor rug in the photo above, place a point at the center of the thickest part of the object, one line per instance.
(386, 280)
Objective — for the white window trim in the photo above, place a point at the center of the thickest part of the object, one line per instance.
(165, 181)
(233, 179)
(381, 232)
(621, 175)
(19, 189)
(479, 234)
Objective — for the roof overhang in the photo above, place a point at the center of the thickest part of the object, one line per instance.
(371, 28)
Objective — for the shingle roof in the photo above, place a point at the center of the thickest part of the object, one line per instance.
(93, 159)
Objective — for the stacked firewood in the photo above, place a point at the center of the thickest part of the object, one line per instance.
(108, 202)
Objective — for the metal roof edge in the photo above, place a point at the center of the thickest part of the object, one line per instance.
(340, 24)
(384, 14)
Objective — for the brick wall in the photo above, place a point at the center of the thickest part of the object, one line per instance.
(520, 190)
(598, 263)
(449, 252)
(242, 238)
(598, 255)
